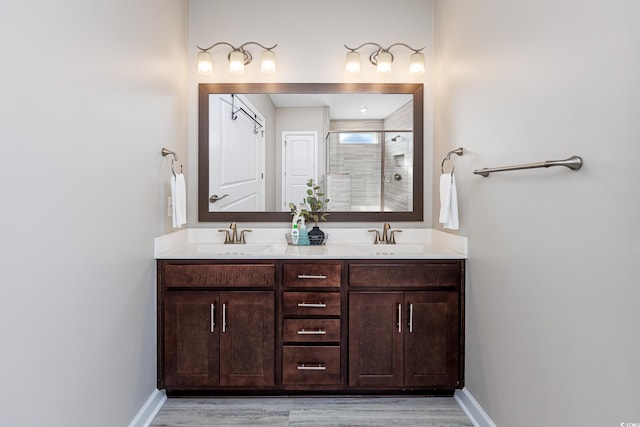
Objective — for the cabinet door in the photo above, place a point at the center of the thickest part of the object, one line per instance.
(191, 340)
(431, 342)
(375, 339)
(247, 339)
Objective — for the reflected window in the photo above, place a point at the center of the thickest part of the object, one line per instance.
(359, 138)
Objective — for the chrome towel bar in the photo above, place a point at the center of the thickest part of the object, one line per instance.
(573, 163)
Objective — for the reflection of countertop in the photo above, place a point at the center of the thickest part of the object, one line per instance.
(205, 243)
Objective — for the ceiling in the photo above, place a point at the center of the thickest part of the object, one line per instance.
(346, 106)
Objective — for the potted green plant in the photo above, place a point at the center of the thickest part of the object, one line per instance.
(312, 209)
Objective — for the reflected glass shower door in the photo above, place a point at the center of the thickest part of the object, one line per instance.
(355, 161)
(370, 171)
(397, 176)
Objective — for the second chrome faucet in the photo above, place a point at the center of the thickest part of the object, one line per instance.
(388, 236)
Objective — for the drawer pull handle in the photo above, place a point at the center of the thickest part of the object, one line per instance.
(311, 276)
(213, 317)
(410, 317)
(224, 317)
(399, 324)
(313, 367)
(312, 304)
(312, 332)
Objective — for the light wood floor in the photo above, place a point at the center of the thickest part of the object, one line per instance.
(312, 412)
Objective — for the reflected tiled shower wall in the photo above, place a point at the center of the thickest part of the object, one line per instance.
(363, 162)
(398, 160)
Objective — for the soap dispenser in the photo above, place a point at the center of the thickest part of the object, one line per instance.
(303, 236)
(295, 234)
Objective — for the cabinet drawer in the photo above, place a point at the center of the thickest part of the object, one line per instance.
(311, 303)
(310, 365)
(311, 330)
(311, 275)
(223, 275)
(407, 275)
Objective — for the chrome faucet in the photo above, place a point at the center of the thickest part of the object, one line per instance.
(388, 236)
(232, 237)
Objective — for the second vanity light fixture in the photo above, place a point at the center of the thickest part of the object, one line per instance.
(382, 58)
(238, 58)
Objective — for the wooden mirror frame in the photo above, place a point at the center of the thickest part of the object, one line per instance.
(206, 89)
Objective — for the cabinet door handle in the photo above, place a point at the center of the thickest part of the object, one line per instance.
(312, 304)
(313, 367)
(313, 332)
(399, 318)
(311, 276)
(410, 317)
(213, 317)
(224, 317)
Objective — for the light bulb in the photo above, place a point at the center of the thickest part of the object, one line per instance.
(268, 62)
(236, 62)
(384, 62)
(353, 62)
(416, 64)
(205, 64)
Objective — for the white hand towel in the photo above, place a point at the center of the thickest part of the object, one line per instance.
(448, 201)
(179, 197)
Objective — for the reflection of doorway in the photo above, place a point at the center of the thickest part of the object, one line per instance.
(236, 155)
(299, 164)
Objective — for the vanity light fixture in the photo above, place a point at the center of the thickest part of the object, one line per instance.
(238, 58)
(382, 58)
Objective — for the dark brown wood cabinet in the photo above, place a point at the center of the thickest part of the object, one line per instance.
(282, 326)
(311, 325)
(212, 338)
(404, 340)
(432, 340)
(191, 342)
(219, 339)
(375, 340)
(405, 325)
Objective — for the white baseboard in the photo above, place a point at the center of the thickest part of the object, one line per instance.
(472, 408)
(147, 413)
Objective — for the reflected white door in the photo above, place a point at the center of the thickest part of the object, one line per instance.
(236, 155)
(300, 163)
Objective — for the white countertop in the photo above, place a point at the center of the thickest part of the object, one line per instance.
(269, 243)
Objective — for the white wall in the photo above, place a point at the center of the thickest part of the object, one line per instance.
(553, 288)
(310, 38)
(91, 92)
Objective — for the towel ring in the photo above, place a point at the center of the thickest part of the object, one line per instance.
(458, 151)
(165, 153)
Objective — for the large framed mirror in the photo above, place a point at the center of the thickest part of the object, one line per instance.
(259, 143)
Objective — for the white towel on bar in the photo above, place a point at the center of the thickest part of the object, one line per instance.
(448, 201)
(179, 198)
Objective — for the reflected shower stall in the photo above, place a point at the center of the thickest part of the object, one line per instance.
(369, 170)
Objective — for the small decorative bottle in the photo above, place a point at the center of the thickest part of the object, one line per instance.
(303, 238)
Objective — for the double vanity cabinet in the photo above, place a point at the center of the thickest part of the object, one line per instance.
(276, 326)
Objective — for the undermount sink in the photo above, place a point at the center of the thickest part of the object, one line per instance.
(232, 249)
(385, 249)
